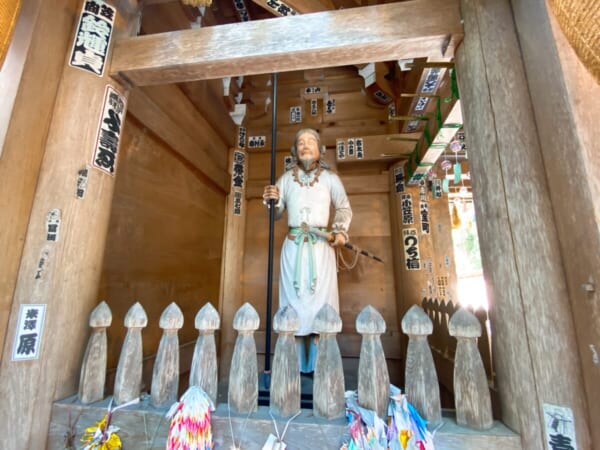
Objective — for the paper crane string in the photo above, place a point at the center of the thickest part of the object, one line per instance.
(406, 429)
(103, 435)
(190, 427)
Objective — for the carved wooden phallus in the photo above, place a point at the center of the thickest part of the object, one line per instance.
(204, 363)
(128, 380)
(243, 375)
(373, 376)
(165, 376)
(328, 388)
(471, 392)
(285, 381)
(93, 368)
(422, 388)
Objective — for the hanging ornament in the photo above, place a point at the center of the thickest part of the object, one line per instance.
(455, 217)
(446, 185)
(445, 165)
(457, 173)
(456, 146)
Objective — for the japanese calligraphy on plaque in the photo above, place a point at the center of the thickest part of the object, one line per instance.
(330, 106)
(29, 332)
(280, 8)
(240, 8)
(295, 114)
(312, 90)
(437, 188)
(406, 204)
(351, 147)
(412, 257)
(92, 37)
(109, 131)
(241, 142)
(422, 190)
(82, 179)
(359, 148)
(53, 225)
(256, 141)
(237, 203)
(399, 182)
(238, 176)
(340, 149)
(560, 427)
(239, 169)
(314, 109)
(424, 209)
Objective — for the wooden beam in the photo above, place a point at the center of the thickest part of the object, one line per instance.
(350, 36)
(207, 97)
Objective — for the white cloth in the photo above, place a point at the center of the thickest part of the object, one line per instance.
(311, 204)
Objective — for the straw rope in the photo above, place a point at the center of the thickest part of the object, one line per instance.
(9, 11)
(579, 20)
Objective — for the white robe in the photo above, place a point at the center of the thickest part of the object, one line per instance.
(311, 204)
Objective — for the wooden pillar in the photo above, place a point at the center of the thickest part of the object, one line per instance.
(444, 264)
(532, 323)
(564, 97)
(43, 31)
(411, 278)
(61, 274)
(230, 298)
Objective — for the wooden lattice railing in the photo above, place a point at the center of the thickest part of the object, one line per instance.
(441, 342)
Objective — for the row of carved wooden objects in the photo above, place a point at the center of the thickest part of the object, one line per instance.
(439, 311)
(471, 392)
(472, 395)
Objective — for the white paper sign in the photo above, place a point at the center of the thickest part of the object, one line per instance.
(29, 332)
(560, 427)
(109, 131)
(92, 38)
(412, 257)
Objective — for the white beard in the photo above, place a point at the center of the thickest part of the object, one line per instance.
(307, 163)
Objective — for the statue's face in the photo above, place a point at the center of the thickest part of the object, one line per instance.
(307, 148)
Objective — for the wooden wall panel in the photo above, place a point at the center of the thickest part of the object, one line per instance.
(164, 240)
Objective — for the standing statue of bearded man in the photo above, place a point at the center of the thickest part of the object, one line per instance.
(308, 276)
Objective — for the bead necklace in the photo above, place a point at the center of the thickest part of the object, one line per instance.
(306, 176)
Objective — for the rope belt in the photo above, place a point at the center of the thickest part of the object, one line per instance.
(302, 238)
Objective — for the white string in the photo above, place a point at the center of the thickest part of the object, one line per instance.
(280, 438)
(236, 447)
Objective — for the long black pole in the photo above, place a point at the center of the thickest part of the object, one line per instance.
(271, 229)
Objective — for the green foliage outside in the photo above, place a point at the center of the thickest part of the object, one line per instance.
(466, 243)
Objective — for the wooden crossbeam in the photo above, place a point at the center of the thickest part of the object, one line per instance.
(419, 28)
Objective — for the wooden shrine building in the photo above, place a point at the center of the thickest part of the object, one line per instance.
(135, 142)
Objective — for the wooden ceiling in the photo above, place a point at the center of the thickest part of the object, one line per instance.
(363, 103)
